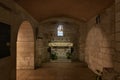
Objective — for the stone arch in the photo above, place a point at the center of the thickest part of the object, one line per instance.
(63, 19)
(25, 46)
(97, 51)
(68, 21)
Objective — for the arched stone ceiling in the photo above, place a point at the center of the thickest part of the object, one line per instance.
(77, 9)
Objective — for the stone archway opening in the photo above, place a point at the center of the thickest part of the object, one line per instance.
(58, 33)
(25, 47)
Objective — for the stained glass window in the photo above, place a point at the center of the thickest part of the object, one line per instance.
(60, 30)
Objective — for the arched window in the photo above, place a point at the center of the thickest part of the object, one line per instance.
(60, 30)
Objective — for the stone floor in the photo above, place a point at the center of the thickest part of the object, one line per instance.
(58, 71)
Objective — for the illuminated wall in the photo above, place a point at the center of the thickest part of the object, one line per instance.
(99, 48)
(98, 53)
(25, 47)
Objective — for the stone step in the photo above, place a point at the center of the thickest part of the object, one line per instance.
(61, 60)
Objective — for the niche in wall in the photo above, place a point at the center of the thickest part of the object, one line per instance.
(4, 40)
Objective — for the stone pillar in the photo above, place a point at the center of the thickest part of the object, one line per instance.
(42, 55)
(82, 41)
(38, 58)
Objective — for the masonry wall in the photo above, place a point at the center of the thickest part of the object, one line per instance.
(38, 55)
(25, 47)
(70, 33)
(12, 14)
(82, 40)
(44, 49)
(6, 61)
(99, 48)
(42, 54)
(117, 37)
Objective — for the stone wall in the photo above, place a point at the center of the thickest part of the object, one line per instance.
(42, 54)
(45, 53)
(11, 13)
(117, 36)
(71, 30)
(99, 47)
(25, 47)
(38, 55)
(82, 40)
(5, 63)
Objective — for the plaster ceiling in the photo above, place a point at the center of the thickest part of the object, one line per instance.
(77, 9)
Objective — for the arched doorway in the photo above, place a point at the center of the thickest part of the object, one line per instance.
(60, 33)
(25, 47)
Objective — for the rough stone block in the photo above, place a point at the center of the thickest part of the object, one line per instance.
(117, 66)
(117, 26)
(25, 55)
(118, 46)
(117, 36)
(117, 57)
(117, 1)
(117, 9)
(117, 17)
